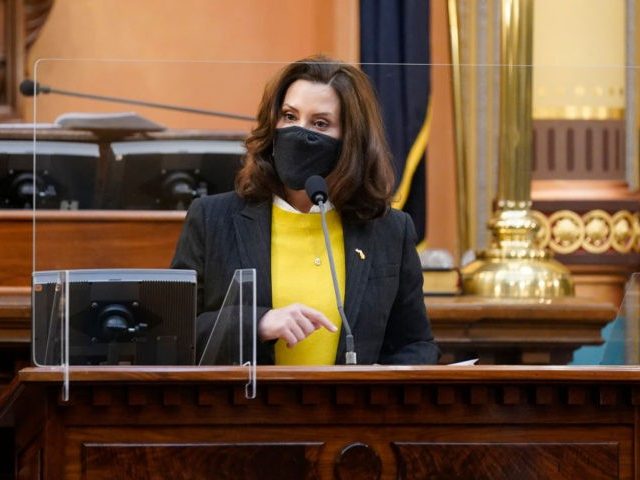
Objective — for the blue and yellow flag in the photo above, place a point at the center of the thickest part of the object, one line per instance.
(394, 51)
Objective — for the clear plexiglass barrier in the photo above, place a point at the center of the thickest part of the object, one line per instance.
(229, 335)
(140, 317)
(111, 179)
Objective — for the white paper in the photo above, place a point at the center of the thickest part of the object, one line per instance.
(465, 363)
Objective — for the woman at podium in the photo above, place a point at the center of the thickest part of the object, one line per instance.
(317, 117)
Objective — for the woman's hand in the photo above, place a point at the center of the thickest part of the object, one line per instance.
(292, 323)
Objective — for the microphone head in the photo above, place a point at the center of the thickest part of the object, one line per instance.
(29, 88)
(316, 189)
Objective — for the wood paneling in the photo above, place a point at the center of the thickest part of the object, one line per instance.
(13, 58)
(101, 461)
(578, 150)
(85, 239)
(394, 422)
(497, 461)
(358, 461)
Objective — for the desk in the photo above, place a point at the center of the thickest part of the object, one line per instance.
(498, 332)
(85, 239)
(15, 332)
(515, 331)
(324, 423)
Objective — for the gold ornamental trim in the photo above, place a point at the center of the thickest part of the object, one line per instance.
(566, 232)
(543, 234)
(598, 227)
(623, 234)
(578, 112)
(596, 231)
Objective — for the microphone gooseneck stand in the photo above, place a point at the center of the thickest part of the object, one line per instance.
(351, 353)
(318, 193)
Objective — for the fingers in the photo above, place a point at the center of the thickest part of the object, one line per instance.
(318, 319)
(289, 338)
(306, 325)
(297, 332)
(293, 323)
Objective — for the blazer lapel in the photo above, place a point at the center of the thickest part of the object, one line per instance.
(357, 256)
(253, 235)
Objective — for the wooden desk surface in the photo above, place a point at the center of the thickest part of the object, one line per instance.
(340, 374)
(467, 308)
(512, 331)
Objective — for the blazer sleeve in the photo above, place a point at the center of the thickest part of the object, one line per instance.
(191, 253)
(408, 339)
(190, 250)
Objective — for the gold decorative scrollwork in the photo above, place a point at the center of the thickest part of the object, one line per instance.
(567, 231)
(622, 234)
(544, 232)
(597, 229)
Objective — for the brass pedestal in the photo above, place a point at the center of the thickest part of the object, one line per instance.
(514, 267)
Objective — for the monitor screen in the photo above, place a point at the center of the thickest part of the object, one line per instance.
(169, 174)
(64, 178)
(116, 317)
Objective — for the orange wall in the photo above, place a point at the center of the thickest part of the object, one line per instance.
(186, 47)
(217, 54)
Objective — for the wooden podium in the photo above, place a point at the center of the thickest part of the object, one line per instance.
(326, 423)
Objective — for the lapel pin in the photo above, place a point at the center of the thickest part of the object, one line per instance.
(360, 254)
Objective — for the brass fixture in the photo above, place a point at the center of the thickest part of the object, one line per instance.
(515, 266)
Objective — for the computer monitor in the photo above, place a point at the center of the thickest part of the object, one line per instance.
(64, 176)
(169, 174)
(116, 317)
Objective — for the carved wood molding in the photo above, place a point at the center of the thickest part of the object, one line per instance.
(23, 21)
(36, 13)
(578, 149)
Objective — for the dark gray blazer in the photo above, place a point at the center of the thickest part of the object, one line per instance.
(384, 303)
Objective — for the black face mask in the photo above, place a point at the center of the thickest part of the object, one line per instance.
(299, 153)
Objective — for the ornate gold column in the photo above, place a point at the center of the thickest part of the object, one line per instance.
(514, 265)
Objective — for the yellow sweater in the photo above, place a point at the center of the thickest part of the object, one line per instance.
(300, 273)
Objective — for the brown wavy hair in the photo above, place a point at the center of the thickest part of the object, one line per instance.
(361, 184)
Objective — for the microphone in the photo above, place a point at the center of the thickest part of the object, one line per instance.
(316, 189)
(29, 88)
(318, 193)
